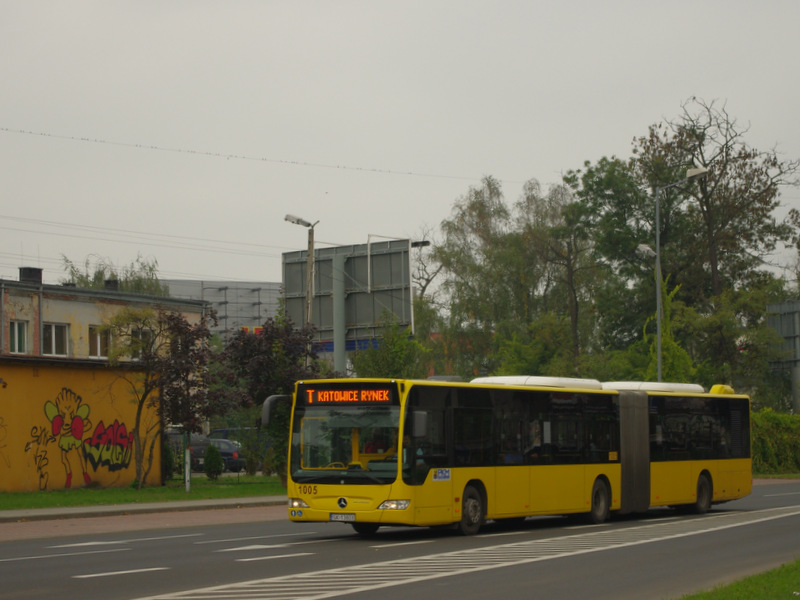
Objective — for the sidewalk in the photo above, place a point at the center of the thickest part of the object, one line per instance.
(106, 510)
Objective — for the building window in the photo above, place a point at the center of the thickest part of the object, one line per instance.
(54, 339)
(98, 341)
(18, 337)
(141, 343)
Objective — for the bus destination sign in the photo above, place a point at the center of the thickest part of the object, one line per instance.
(347, 396)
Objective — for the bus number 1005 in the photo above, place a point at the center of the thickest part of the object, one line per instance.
(309, 490)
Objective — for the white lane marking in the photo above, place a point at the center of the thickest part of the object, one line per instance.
(783, 494)
(128, 541)
(328, 541)
(397, 544)
(114, 573)
(62, 555)
(273, 546)
(87, 544)
(504, 534)
(253, 537)
(253, 547)
(274, 557)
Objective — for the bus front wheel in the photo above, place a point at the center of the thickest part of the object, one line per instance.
(366, 530)
(472, 511)
(601, 502)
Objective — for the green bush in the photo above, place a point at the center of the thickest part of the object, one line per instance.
(277, 454)
(213, 464)
(776, 442)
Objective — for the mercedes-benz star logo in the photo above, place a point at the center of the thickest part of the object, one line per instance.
(342, 502)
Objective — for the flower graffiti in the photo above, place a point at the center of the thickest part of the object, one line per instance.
(69, 418)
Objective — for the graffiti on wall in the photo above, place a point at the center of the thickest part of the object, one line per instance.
(37, 446)
(109, 447)
(69, 418)
(68, 436)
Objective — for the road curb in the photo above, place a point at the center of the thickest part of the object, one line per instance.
(106, 510)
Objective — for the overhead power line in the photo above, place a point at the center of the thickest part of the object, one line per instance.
(228, 156)
(147, 238)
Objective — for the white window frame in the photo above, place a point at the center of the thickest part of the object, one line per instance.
(142, 335)
(99, 341)
(18, 337)
(50, 334)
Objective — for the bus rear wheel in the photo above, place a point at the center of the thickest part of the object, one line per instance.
(601, 502)
(704, 492)
(366, 530)
(472, 511)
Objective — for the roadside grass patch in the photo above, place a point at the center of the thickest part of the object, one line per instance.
(201, 489)
(783, 582)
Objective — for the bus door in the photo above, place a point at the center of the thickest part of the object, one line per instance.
(516, 438)
(426, 468)
(635, 443)
(557, 484)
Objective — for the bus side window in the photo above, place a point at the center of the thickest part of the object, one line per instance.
(425, 432)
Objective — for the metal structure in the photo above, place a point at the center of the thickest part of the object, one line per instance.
(354, 290)
(785, 319)
(238, 304)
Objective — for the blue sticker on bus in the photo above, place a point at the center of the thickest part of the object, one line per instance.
(441, 475)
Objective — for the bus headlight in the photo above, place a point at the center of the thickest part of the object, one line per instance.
(297, 503)
(394, 505)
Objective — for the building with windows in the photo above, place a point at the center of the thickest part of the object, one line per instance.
(65, 413)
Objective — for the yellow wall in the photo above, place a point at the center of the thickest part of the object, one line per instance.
(68, 426)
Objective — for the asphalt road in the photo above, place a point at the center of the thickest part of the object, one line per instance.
(253, 552)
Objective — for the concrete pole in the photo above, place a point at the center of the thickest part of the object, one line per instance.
(339, 320)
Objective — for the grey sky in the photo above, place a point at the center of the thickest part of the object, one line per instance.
(211, 120)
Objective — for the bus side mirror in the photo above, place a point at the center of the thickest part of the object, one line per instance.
(419, 425)
(268, 408)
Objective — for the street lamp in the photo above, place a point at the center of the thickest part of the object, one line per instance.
(690, 175)
(309, 262)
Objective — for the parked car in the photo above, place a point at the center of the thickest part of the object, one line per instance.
(198, 444)
(231, 454)
(240, 435)
(251, 441)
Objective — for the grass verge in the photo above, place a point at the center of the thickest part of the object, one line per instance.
(783, 582)
(201, 489)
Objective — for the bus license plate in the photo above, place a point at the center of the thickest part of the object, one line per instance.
(343, 517)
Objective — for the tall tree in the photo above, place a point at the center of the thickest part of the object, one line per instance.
(268, 362)
(167, 374)
(716, 233)
(728, 218)
(425, 270)
(474, 237)
(618, 217)
(475, 278)
(554, 226)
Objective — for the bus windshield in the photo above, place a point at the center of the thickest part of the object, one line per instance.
(336, 439)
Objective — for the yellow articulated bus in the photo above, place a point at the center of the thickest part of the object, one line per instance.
(384, 452)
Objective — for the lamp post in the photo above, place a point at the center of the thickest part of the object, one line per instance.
(690, 175)
(309, 262)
